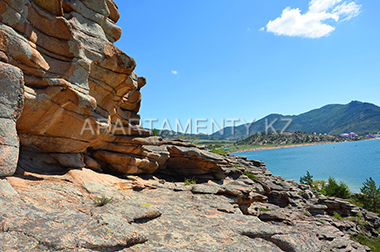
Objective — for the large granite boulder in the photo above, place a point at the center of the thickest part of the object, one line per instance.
(11, 102)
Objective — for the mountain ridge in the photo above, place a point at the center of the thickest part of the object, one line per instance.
(356, 116)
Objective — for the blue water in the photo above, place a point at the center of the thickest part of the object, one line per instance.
(350, 162)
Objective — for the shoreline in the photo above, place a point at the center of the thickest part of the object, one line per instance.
(280, 147)
(288, 146)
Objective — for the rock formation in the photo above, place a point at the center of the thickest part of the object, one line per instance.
(81, 95)
(11, 101)
(69, 103)
(147, 213)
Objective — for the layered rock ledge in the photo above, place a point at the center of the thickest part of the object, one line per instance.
(151, 213)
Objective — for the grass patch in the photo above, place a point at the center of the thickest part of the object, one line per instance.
(219, 151)
(190, 181)
(102, 201)
(251, 176)
(265, 209)
(336, 215)
(357, 219)
(373, 243)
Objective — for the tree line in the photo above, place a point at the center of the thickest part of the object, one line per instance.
(368, 198)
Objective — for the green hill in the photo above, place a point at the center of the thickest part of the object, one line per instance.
(334, 119)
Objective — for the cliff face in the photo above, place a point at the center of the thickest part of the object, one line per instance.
(81, 96)
(78, 85)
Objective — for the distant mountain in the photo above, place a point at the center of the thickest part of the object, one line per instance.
(359, 117)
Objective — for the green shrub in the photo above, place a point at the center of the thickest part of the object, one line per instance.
(251, 176)
(319, 184)
(155, 132)
(333, 189)
(356, 218)
(219, 151)
(369, 198)
(370, 195)
(336, 215)
(190, 181)
(373, 243)
(307, 179)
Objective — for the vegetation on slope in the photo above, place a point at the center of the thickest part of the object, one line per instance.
(369, 199)
(334, 119)
(288, 138)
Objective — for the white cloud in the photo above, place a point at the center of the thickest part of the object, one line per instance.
(347, 11)
(262, 29)
(248, 29)
(322, 5)
(174, 72)
(311, 24)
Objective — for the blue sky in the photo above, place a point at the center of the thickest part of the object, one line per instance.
(246, 59)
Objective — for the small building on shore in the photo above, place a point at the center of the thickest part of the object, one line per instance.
(350, 135)
(353, 135)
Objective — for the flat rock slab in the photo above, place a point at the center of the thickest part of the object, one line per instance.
(50, 213)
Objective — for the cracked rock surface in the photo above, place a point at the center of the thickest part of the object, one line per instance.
(150, 213)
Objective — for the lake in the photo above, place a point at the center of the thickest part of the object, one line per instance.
(351, 162)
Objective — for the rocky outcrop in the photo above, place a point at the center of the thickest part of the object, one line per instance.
(81, 94)
(148, 213)
(11, 102)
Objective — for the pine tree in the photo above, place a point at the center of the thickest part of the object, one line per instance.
(371, 195)
(307, 179)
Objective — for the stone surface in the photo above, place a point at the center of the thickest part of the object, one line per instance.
(57, 212)
(81, 94)
(11, 103)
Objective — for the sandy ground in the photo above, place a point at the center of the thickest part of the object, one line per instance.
(278, 147)
(289, 146)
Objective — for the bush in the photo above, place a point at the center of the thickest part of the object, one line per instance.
(319, 184)
(370, 195)
(190, 181)
(333, 189)
(336, 215)
(218, 151)
(307, 179)
(251, 176)
(155, 132)
(373, 243)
